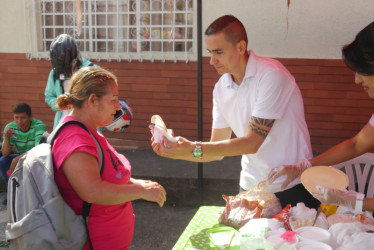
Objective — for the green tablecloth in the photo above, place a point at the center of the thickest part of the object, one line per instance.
(194, 236)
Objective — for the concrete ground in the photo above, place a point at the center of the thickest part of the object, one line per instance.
(155, 227)
(3, 220)
(159, 228)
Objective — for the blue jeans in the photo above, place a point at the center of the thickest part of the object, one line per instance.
(5, 165)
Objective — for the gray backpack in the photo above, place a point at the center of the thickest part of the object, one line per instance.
(38, 217)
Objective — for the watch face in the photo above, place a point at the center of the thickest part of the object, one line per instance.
(197, 153)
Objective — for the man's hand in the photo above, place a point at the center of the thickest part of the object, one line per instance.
(173, 150)
(6, 147)
(8, 133)
(290, 171)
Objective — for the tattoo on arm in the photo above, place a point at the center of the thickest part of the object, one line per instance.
(261, 126)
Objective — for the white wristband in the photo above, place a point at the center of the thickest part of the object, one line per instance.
(359, 203)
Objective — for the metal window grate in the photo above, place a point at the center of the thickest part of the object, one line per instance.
(113, 29)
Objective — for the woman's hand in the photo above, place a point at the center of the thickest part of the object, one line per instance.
(14, 162)
(152, 191)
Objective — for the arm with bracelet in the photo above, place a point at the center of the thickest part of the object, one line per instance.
(359, 57)
(341, 197)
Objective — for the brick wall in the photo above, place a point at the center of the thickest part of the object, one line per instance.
(335, 107)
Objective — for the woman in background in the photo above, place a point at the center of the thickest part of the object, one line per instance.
(65, 60)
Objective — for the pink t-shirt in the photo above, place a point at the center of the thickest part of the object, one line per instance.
(110, 226)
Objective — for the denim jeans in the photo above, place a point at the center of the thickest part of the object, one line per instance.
(5, 165)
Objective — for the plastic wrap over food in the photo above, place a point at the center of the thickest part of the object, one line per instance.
(247, 205)
(271, 204)
(239, 211)
(346, 236)
(302, 216)
(366, 220)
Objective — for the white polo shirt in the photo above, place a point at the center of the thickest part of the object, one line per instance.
(371, 121)
(268, 91)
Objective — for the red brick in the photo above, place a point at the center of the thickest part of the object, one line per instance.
(335, 108)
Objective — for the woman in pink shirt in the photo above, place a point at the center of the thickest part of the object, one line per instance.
(93, 97)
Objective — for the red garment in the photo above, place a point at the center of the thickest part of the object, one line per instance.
(110, 226)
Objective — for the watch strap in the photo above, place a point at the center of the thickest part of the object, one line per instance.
(359, 203)
(198, 150)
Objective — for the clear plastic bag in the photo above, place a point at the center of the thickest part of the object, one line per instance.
(239, 211)
(301, 216)
(348, 236)
(270, 203)
(254, 203)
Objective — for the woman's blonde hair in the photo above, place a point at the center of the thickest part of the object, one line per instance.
(83, 83)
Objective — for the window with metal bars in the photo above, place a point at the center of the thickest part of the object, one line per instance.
(115, 29)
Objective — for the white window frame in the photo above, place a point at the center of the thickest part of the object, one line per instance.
(38, 42)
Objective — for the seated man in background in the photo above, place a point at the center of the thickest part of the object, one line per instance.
(20, 135)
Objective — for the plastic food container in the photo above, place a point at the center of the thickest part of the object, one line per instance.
(313, 234)
(221, 237)
(259, 226)
(273, 240)
(312, 245)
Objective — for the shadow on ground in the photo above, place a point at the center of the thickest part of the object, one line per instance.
(158, 228)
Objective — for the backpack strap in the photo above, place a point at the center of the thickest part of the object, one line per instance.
(51, 138)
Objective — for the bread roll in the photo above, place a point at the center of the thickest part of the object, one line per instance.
(157, 120)
(159, 130)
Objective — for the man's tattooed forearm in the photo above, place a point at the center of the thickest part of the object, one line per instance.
(261, 126)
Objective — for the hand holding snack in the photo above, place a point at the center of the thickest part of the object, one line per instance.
(163, 142)
(173, 149)
(159, 130)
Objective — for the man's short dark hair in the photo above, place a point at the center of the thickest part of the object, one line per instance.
(22, 108)
(359, 55)
(231, 26)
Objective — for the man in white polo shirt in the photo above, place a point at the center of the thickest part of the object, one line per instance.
(257, 99)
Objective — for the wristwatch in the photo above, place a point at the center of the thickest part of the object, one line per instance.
(198, 150)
